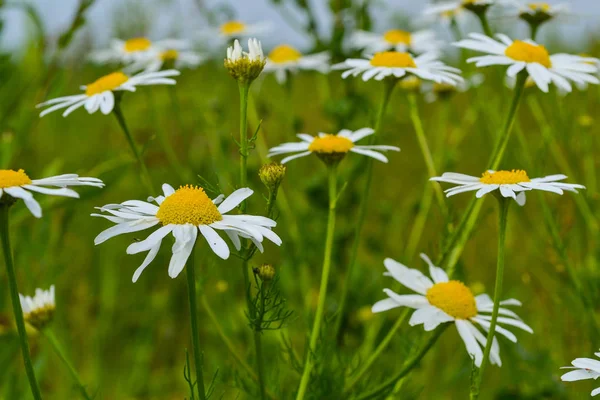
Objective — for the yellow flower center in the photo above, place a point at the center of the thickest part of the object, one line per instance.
(393, 59)
(232, 27)
(284, 53)
(530, 53)
(169, 55)
(454, 298)
(397, 36)
(544, 7)
(10, 178)
(504, 177)
(331, 144)
(137, 44)
(188, 205)
(107, 82)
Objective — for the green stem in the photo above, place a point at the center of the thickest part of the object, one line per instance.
(484, 24)
(49, 334)
(191, 281)
(375, 355)
(244, 89)
(426, 151)
(504, 204)
(146, 179)
(258, 342)
(388, 88)
(314, 336)
(406, 368)
(534, 30)
(16, 302)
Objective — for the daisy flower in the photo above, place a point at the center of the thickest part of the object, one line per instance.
(133, 50)
(443, 13)
(583, 368)
(328, 146)
(539, 12)
(395, 39)
(100, 95)
(172, 57)
(245, 66)
(238, 29)
(184, 212)
(512, 184)
(39, 309)
(440, 300)
(285, 58)
(533, 58)
(16, 185)
(397, 65)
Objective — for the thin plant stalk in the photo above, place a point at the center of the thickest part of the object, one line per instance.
(504, 204)
(244, 89)
(316, 329)
(191, 281)
(16, 302)
(145, 175)
(49, 334)
(485, 24)
(388, 88)
(426, 151)
(258, 343)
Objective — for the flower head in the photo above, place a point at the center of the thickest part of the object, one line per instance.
(167, 57)
(583, 368)
(16, 185)
(396, 40)
(331, 148)
(185, 212)
(440, 300)
(537, 12)
(100, 94)
(272, 174)
(397, 65)
(134, 49)
(285, 58)
(38, 310)
(245, 67)
(533, 58)
(238, 29)
(512, 184)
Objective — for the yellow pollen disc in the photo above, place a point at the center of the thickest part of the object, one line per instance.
(137, 44)
(397, 36)
(107, 82)
(188, 205)
(169, 55)
(454, 298)
(331, 144)
(544, 7)
(393, 59)
(10, 178)
(504, 177)
(284, 53)
(232, 27)
(530, 53)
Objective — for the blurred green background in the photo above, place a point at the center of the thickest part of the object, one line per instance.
(128, 340)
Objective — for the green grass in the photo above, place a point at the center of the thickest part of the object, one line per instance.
(128, 340)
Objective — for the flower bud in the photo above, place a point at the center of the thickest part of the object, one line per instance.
(272, 174)
(245, 67)
(265, 272)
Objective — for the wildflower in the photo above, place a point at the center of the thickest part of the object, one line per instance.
(133, 50)
(38, 310)
(534, 59)
(100, 95)
(184, 212)
(443, 13)
(583, 368)
(510, 184)
(453, 7)
(395, 64)
(245, 67)
(285, 58)
(170, 58)
(332, 148)
(272, 174)
(441, 91)
(16, 185)
(265, 272)
(536, 13)
(443, 300)
(397, 40)
(238, 29)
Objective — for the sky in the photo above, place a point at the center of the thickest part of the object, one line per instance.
(183, 18)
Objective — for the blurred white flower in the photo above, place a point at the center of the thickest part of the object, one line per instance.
(512, 184)
(583, 368)
(440, 300)
(17, 185)
(395, 39)
(533, 58)
(134, 50)
(184, 212)
(328, 146)
(99, 95)
(39, 309)
(397, 65)
(285, 58)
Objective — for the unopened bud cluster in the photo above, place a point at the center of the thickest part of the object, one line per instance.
(265, 272)
(245, 66)
(272, 174)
